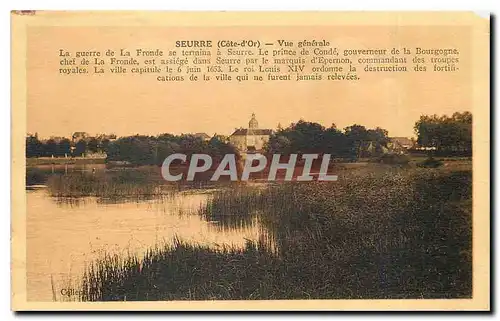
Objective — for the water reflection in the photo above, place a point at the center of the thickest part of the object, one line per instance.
(66, 233)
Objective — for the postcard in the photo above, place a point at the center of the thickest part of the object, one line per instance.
(250, 160)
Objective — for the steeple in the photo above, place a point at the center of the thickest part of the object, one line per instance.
(253, 123)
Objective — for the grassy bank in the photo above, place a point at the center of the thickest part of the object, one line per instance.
(34, 161)
(389, 234)
(143, 182)
(122, 184)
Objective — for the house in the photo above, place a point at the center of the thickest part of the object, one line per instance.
(203, 136)
(110, 137)
(251, 139)
(400, 144)
(77, 136)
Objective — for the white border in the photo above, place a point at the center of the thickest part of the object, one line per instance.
(483, 8)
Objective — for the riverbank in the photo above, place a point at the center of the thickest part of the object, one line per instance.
(35, 161)
(393, 233)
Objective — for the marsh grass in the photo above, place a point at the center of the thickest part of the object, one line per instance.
(387, 234)
(107, 186)
(113, 186)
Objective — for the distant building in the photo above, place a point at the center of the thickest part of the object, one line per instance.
(110, 137)
(203, 136)
(57, 139)
(400, 144)
(79, 136)
(404, 142)
(251, 139)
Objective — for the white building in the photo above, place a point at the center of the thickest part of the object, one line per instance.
(251, 139)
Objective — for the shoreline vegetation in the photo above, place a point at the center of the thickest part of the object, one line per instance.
(390, 234)
(436, 136)
(37, 161)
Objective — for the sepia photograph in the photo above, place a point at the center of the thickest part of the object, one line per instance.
(237, 157)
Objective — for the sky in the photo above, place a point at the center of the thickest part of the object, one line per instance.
(58, 105)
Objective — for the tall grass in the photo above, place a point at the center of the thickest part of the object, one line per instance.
(178, 271)
(107, 185)
(113, 185)
(392, 234)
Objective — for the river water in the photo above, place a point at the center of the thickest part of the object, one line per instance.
(65, 235)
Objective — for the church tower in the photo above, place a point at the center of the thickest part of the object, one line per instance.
(253, 123)
(252, 139)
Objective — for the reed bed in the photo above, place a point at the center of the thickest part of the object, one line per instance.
(116, 185)
(126, 184)
(388, 234)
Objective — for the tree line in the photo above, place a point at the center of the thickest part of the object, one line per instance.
(136, 149)
(305, 137)
(80, 144)
(446, 135)
(152, 150)
(440, 135)
(437, 135)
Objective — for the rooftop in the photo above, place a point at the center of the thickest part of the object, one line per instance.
(244, 132)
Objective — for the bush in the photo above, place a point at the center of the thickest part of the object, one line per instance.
(393, 159)
(430, 162)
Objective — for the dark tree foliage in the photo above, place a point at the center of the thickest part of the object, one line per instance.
(149, 150)
(64, 148)
(50, 148)
(447, 135)
(93, 145)
(80, 148)
(104, 145)
(308, 137)
(34, 147)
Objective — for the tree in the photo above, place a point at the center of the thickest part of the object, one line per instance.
(191, 144)
(50, 148)
(301, 137)
(362, 139)
(357, 135)
(447, 135)
(379, 139)
(148, 150)
(105, 145)
(279, 144)
(138, 149)
(337, 143)
(80, 148)
(64, 147)
(378, 135)
(309, 137)
(34, 147)
(164, 149)
(93, 145)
